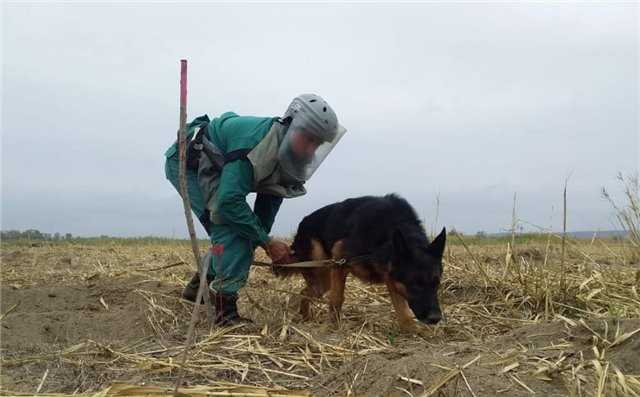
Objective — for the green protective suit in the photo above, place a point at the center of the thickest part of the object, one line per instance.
(218, 196)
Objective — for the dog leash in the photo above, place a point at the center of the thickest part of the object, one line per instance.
(321, 263)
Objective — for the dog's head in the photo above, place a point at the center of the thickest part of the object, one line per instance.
(416, 270)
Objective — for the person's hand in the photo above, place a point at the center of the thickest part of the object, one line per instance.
(279, 252)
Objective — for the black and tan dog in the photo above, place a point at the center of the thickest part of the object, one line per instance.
(383, 241)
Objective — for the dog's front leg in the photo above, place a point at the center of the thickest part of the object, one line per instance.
(336, 293)
(401, 306)
(337, 280)
(317, 284)
(306, 295)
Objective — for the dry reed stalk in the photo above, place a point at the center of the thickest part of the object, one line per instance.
(444, 379)
(564, 238)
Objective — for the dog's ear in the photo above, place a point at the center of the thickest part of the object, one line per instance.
(399, 243)
(436, 248)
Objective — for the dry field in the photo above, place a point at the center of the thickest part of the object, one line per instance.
(523, 317)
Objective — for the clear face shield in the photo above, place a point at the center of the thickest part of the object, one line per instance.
(301, 152)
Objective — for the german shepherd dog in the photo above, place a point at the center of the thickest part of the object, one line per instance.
(383, 241)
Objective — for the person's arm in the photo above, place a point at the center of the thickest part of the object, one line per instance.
(266, 207)
(236, 183)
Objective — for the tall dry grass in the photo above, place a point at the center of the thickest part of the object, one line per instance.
(628, 213)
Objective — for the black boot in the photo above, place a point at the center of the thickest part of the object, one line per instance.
(190, 292)
(227, 310)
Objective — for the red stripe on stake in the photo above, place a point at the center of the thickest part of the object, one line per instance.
(183, 83)
(218, 250)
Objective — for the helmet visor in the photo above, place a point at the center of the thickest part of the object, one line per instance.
(301, 151)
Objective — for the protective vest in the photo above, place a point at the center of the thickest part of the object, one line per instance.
(267, 175)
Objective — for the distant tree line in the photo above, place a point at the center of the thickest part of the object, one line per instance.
(32, 234)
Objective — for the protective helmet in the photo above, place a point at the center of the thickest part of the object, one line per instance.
(311, 112)
(308, 115)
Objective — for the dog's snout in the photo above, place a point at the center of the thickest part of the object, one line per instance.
(433, 318)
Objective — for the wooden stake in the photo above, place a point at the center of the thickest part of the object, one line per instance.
(182, 144)
(200, 265)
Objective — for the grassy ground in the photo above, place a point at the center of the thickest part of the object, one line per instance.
(523, 315)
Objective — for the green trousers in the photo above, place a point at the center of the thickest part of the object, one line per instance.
(230, 270)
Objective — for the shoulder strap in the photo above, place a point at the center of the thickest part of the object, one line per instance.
(236, 155)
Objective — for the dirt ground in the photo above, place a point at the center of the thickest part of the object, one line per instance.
(81, 318)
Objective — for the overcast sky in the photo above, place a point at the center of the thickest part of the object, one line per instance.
(455, 106)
